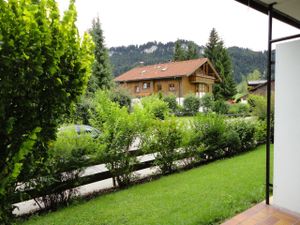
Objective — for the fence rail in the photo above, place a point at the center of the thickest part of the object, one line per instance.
(27, 194)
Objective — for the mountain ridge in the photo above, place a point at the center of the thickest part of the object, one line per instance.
(124, 58)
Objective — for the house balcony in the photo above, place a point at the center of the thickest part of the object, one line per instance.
(201, 79)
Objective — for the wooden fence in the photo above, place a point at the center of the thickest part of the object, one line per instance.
(57, 187)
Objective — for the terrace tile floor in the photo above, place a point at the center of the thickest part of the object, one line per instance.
(263, 214)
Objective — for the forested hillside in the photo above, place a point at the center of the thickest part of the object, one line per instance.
(126, 57)
(245, 61)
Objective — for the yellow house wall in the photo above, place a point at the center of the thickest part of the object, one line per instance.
(131, 86)
(183, 85)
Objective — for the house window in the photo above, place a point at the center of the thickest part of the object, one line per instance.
(203, 88)
(146, 85)
(159, 87)
(137, 89)
(172, 87)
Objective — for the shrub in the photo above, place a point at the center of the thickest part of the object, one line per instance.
(191, 146)
(67, 156)
(245, 131)
(119, 129)
(239, 109)
(121, 96)
(232, 142)
(164, 138)
(207, 102)
(260, 131)
(220, 107)
(156, 107)
(53, 67)
(82, 110)
(71, 148)
(209, 130)
(171, 102)
(258, 106)
(180, 111)
(191, 104)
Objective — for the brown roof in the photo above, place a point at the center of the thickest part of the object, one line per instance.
(164, 70)
(262, 85)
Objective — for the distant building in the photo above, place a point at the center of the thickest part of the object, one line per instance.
(179, 78)
(259, 87)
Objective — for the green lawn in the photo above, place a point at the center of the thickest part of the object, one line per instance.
(204, 195)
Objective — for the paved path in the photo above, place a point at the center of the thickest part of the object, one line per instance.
(31, 206)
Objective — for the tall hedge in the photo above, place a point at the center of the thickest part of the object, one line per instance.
(44, 67)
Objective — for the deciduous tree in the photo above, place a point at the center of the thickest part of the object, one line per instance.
(44, 67)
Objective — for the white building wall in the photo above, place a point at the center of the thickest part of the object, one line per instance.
(180, 101)
(287, 127)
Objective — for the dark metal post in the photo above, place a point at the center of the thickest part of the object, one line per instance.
(269, 71)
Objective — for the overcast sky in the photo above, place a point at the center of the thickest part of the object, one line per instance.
(126, 22)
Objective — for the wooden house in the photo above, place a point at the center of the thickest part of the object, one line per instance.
(179, 78)
(259, 87)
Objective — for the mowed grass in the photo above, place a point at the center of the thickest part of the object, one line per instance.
(204, 195)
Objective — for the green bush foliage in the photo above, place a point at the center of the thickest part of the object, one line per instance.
(258, 106)
(164, 138)
(121, 96)
(156, 107)
(207, 102)
(12, 172)
(221, 137)
(191, 104)
(210, 131)
(67, 157)
(45, 66)
(82, 111)
(260, 131)
(221, 107)
(245, 131)
(232, 142)
(71, 149)
(119, 129)
(192, 146)
(206, 137)
(171, 102)
(239, 109)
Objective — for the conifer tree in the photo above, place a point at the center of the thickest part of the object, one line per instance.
(101, 72)
(179, 53)
(192, 52)
(218, 55)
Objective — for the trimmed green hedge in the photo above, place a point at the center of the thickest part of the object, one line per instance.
(206, 137)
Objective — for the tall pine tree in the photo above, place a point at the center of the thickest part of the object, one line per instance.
(101, 77)
(218, 55)
(101, 71)
(192, 52)
(179, 53)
